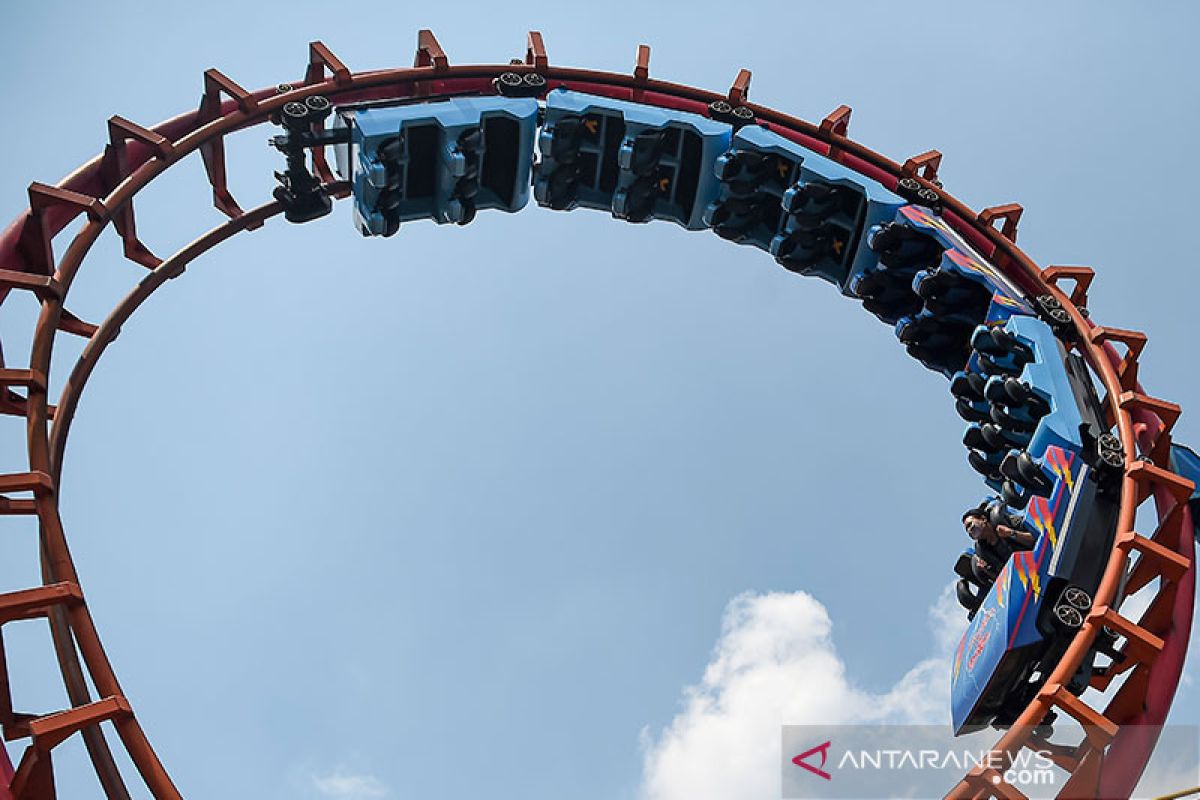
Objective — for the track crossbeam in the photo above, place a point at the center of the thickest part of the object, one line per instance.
(32, 603)
(1156, 559)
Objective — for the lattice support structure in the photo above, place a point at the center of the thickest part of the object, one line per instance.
(1106, 762)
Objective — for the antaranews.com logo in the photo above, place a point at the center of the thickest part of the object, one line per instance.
(887, 761)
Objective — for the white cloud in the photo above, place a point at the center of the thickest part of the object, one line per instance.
(775, 664)
(341, 785)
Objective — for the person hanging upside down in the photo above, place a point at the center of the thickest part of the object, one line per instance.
(994, 543)
(981, 564)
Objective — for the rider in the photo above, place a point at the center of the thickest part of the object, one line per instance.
(993, 543)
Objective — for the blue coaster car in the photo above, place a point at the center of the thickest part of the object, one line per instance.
(953, 288)
(883, 281)
(1022, 393)
(1000, 310)
(804, 209)
(636, 161)
(1039, 599)
(959, 258)
(442, 161)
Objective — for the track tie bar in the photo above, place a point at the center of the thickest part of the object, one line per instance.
(115, 169)
(836, 124)
(641, 65)
(43, 196)
(1141, 645)
(49, 731)
(535, 51)
(15, 404)
(1156, 560)
(1147, 476)
(739, 92)
(213, 152)
(29, 378)
(1167, 413)
(1135, 343)
(1010, 213)
(17, 726)
(924, 166)
(121, 130)
(1082, 276)
(429, 52)
(34, 778)
(10, 507)
(217, 83)
(44, 286)
(1099, 729)
(1064, 756)
(37, 482)
(32, 603)
(320, 59)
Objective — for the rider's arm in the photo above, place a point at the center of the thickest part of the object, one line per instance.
(1021, 538)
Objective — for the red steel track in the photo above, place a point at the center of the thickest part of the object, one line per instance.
(1119, 736)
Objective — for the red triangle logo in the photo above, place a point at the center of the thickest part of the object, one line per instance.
(823, 749)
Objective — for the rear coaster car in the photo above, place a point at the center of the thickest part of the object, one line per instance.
(1038, 601)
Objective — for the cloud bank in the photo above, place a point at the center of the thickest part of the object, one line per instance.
(775, 664)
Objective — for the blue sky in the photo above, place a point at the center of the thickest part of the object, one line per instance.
(462, 512)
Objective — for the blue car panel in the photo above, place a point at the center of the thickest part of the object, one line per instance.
(1185, 462)
(1039, 363)
(1046, 374)
(441, 160)
(636, 161)
(805, 209)
(957, 291)
(960, 257)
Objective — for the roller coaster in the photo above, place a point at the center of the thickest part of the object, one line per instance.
(1064, 436)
